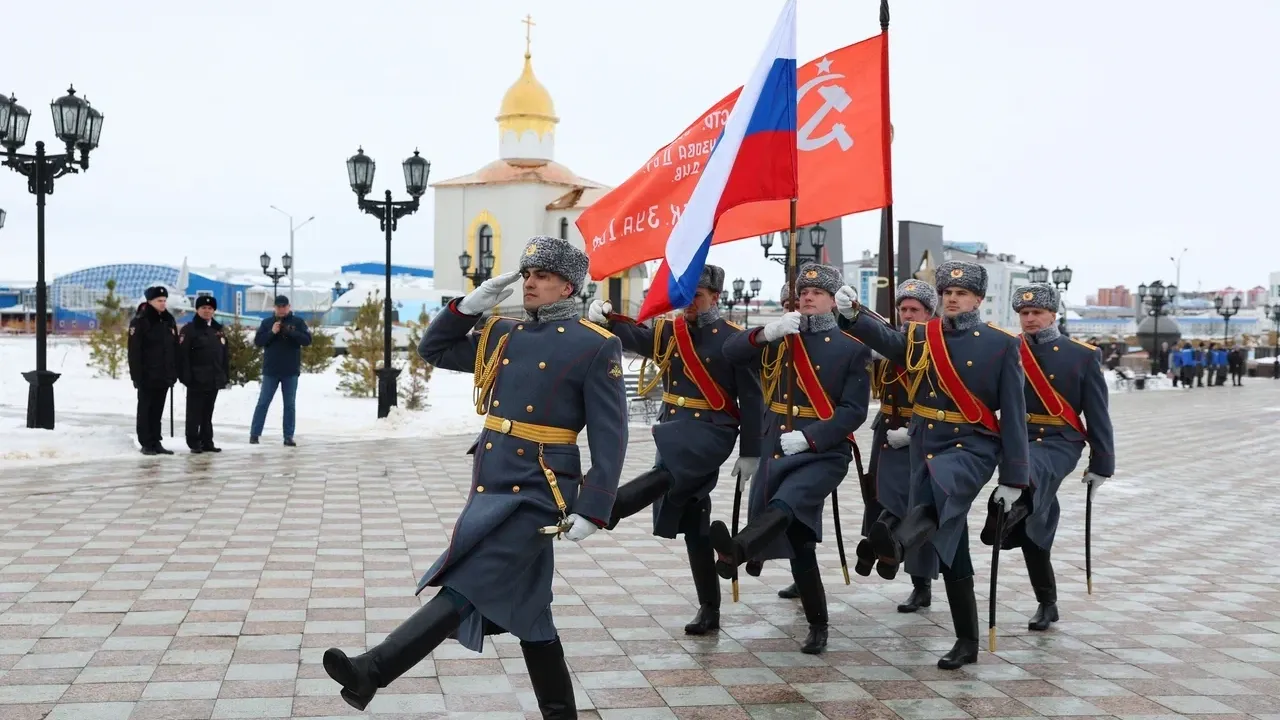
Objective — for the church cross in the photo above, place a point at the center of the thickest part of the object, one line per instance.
(528, 31)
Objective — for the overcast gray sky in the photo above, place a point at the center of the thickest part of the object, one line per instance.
(1101, 133)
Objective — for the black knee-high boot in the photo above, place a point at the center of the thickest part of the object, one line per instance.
(702, 563)
(891, 542)
(639, 494)
(737, 549)
(361, 676)
(552, 684)
(1040, 571)
(964, 615)
(813, 598)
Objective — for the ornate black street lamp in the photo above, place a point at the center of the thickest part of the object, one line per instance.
(78, 126)
(1062, 281)
(360, 168)
(1226, 311)
(817, 240)
(1273, 312)
(275, 273)
(747, 297)
(2, 215)
(1156, 296)
(585, 296)
(730, 300)
(484, 246)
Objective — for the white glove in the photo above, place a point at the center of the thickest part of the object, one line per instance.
(793, 442)
(744, 469)
(599, 311)
(1094, 481)
(788, 324)
(580, 528)
(1006, 496)
(846, 297)
(897, 438)
(490, 293)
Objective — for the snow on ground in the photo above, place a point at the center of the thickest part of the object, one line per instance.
(95, 414)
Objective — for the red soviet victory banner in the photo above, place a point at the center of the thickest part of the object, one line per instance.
(844, 165)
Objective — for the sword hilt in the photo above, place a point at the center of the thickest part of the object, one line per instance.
(557, 530)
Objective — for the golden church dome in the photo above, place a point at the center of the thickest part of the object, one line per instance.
(527, 99)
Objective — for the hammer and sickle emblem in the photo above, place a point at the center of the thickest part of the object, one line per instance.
(834, 98)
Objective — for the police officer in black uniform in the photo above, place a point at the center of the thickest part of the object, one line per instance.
(153, 367)
(203, 368)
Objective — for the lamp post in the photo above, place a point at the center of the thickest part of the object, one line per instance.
(748, 297)
(484, 269)
(78, 126)
(360, 169)
(817, 240)
(1156, 296)
(1061, 281)
(292, 229)
(2, 216)
(1226, 311)
(275, 273)
(739, 294)
(1273, 312)
(586, 296)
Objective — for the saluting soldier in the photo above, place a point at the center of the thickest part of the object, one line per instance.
(1066, 396)
(204, 368)
(153, 365)
(807, 445)
(706, 401)
(539, 381)
(890, 455)
(971, 371)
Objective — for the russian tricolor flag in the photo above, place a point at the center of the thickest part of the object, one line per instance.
(754, 159)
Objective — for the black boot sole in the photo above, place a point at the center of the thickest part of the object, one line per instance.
(866, 558)
(726, 552)
(887, 570)
(704, 626)
(338, 666)
(883, 544)
(789, 592)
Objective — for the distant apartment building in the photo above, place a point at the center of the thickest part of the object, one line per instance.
(1118, 296)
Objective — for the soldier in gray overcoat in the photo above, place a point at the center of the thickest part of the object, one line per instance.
(540, 381)
(807, 445)
(971, 372)
(917, 301)
(707, 405)
(1066, 396)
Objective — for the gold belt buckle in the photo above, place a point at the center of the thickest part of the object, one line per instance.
(942, 415)
(680, 401)
(506, 427)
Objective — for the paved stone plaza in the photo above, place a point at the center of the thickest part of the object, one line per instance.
(208, 587)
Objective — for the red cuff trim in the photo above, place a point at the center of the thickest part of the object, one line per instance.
(812, 447)
(453, 307)
(753, 334)
(598, 523)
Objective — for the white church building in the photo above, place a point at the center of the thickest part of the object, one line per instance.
(524, 192)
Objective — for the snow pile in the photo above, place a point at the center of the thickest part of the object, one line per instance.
(67, 443)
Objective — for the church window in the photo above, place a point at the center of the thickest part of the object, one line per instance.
(484, 243)
(564, 228)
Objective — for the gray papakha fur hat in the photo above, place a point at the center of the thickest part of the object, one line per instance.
(1035, 295)
(823, 277)
(557, 256)
(920, 291)
(966, 275)
(712, 278)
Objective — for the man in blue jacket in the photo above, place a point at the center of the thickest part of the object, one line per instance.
(281, 337)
